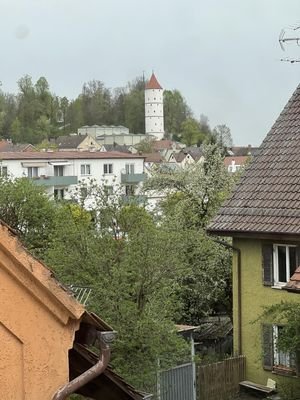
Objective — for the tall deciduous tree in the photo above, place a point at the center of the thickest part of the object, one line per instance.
(176, 111)
(96, 103)
(131, 263)
(191, 132)
(193, 195)
(134, 106)
(222, 136)
(28, 210)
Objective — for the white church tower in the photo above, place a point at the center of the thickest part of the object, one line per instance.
(154, 109)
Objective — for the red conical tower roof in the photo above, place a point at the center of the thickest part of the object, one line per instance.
(153, 83)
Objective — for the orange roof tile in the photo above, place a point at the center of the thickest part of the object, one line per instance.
(294, 282)
(153, 83)
(239, 160)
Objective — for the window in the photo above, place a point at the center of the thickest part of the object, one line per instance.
(58, 170)
(3, 171)
(85, 169)
(129, 190)
(284, 263)
(279, 263)
(59, 194)
(83, 192)
(32, 172)
(107, 168)
(129, 168)
(273, 358)
(108, 190)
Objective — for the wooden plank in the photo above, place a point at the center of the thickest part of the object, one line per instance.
(256, 386)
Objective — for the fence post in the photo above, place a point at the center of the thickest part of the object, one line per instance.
(193, 366)
(158, 379)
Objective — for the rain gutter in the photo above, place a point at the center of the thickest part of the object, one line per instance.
(105, 339)
(239, 291)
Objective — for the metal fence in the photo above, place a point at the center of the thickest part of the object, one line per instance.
(176, 383)
(220, 381)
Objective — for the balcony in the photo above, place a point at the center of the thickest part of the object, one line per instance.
(132, 178)
(136, 200)
(55, 180)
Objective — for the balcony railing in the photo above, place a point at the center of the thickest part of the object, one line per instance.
(132, 178)
(139, 199)
(55, 180)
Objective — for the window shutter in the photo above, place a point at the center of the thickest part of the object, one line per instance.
(267, 264)
(267, 342)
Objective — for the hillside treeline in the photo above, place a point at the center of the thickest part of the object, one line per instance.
(35, 113)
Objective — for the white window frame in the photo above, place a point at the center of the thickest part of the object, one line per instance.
(85, 169)
(276, 266)
(58, 170)
(129, 168)
(108, 169)
(32, 172)
(3, 170)
(60, 193)
(279, 354)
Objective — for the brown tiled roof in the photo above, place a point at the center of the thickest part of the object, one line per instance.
(70, 141)
(195, 152)
(267, 198)
(164, 144)
(294, 282)
(153, 157)
(8, 146)
(238, 160)
(65, 155)
(153, 83)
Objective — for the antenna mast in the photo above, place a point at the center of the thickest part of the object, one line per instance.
(285, 37)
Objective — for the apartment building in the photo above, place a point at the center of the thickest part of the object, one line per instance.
(60, 172)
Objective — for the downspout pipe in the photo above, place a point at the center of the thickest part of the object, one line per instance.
(105, 339)
(239, 291)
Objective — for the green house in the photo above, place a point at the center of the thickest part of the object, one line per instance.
(263, 218)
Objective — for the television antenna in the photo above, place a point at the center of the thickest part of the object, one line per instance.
(288, 35)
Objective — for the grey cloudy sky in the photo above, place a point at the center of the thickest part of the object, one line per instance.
(223, 55)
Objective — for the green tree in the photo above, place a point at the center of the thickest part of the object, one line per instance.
(28, 210)
(222, 136)
(193, 196)
(130, 263)
(285, 314)
(176, 111)
(191, 132)
(134, 106)
(96, 103)
(145, 146)
(74, 115)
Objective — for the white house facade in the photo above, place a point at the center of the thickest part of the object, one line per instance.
(102, 130)
(61, 172)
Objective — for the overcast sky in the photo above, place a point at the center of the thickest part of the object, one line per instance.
(223, 55)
